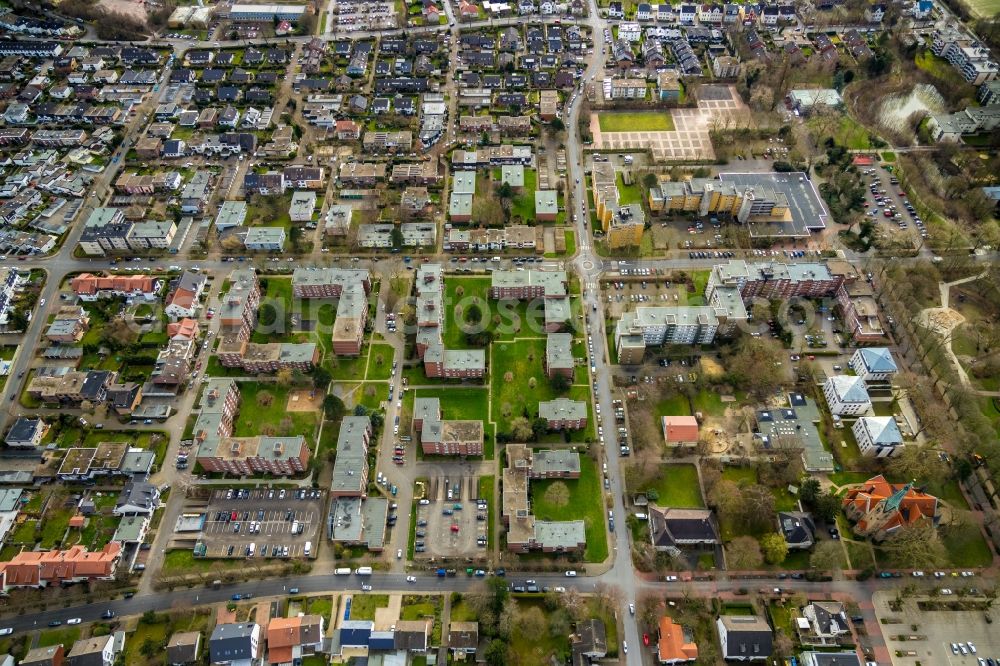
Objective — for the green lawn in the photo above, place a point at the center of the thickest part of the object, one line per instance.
(677, 405)
(849, 133)
(966, 546)
(380, 361)
(64, 635)
(677, 486)
(255, 417)
(347, 368)
(628, 194)
(650, 121)
(937, 67)
(363, 605)
(860, 554)
(708, 403)
(523, 360)
(586, 502)
(523, 203)
(845, 478)
(888, 156)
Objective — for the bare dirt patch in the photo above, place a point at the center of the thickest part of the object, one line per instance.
(303, 401)
(131, 8)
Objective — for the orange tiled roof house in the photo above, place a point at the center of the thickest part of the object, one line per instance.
(879, 509)
(52, 567)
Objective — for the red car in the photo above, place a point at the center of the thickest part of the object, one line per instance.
(645, 639)
(454, 528)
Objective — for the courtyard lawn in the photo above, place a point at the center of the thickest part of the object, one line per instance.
(521, 361)
(630, 193)
(584, 502)
(966, 546)
(380, 359)
(347, 368)
(677, 486)
(650, 121)
(259, 412)
(275, 311)
(515, 316)
(700, 280)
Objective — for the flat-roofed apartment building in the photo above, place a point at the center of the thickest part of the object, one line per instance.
(524, 531)
(438, 361)
(350, 468)
(623, 225)
(772, 279)
(447, 437)
(559, 355)
(563, 414)
(219, 452)
(351, 287)
(551, 286)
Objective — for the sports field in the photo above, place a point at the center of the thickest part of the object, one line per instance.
(984, 8)
(650, 121)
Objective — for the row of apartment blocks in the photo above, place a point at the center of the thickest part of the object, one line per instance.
(729, 286)
(107, 230)
(219, 451)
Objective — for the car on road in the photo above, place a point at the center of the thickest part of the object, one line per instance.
(366, 587)
(108, 614)
(6, 631)
(74, 620)
(55, 623)
(571, 574)
(631, 609)
(294, 590)
(411, 579)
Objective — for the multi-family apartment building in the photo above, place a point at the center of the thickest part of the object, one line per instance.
(971, 58)
(524, 531)
(446, 437)
(350, 469)
(550, 286)
(623, 225)
(438, 361)
(563, 414)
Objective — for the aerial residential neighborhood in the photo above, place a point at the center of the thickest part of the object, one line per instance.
(507, 332)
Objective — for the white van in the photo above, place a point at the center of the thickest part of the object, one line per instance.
(308, 549)
(343, 571)
(295, 527)
(363, 571)
(253, 549)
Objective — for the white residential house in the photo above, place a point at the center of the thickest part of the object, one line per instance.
(877, 436)
(847, 395)
(873, 364)
(630, 31)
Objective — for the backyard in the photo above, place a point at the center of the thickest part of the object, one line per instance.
(675, 486)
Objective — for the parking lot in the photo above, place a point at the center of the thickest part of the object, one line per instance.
(277, 523)
(887, 206)
(937, 630)
(365, 15)
(451, 523)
